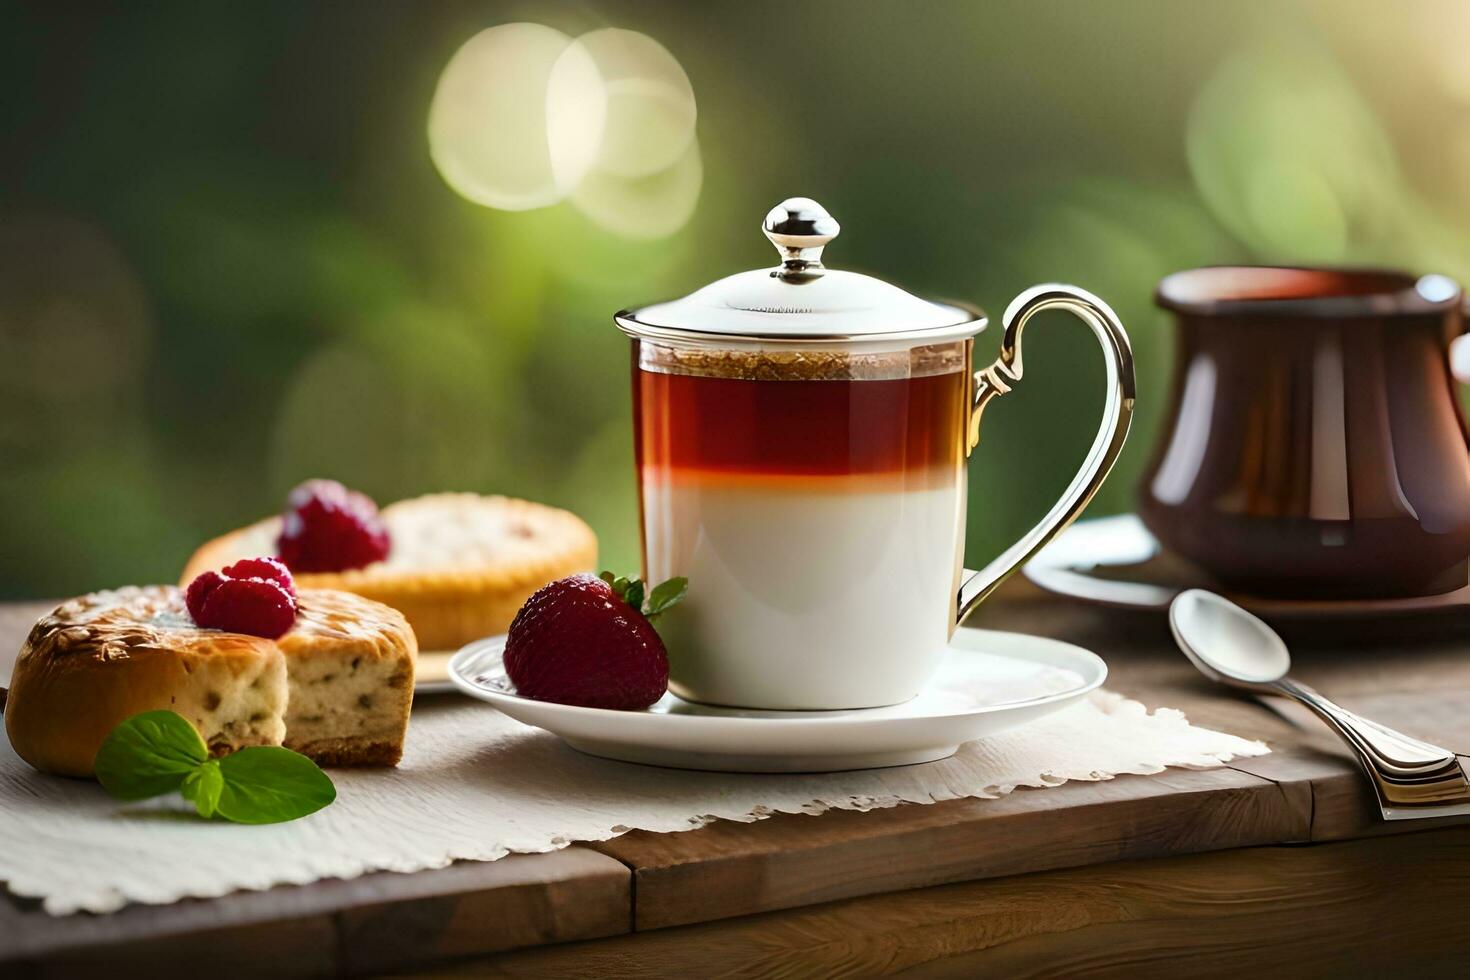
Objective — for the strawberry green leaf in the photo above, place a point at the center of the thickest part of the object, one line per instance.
(625, 588)
(666, 595)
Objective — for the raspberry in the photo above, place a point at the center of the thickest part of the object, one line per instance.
(256, 606)
(328, 528)
(269, 569)
(576, 642)
(254, 595)
(199, 590)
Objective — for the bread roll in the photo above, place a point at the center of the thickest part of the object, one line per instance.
(337, 687)
(97, 660)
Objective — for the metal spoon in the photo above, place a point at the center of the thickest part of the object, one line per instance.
(1412, 778)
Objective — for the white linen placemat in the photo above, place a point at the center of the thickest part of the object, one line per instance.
(475, 785)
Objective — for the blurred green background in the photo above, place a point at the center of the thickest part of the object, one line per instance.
(228, 262)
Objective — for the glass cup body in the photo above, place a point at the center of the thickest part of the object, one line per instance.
(815, 500)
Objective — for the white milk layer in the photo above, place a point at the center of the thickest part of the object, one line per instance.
(806, 594)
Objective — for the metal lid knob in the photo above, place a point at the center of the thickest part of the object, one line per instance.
(799, 228)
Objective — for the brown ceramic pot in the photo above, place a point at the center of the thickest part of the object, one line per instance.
(1315, 445)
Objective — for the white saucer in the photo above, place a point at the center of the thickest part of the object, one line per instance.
(1115, 561)
(431, 671)
(990, 682)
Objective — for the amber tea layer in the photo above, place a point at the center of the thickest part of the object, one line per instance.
(802, 414)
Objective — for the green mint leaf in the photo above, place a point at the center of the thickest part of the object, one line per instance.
(609, 578)
(666, 595)
(269, 784)
(634, 595)
(203, 786)
(148, 755)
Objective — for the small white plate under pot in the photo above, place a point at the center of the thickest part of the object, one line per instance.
(990, 682)
(1115, 561)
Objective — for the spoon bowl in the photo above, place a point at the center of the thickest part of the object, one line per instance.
(1412, 778)
(1226, 643)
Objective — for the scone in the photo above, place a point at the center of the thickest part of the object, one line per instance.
(459, 565)
(97, 660)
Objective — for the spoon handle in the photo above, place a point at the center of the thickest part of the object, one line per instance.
(1412, 778)
(1394, 751)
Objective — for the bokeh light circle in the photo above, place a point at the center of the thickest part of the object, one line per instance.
(489, 133)
(643, 207)
(576, 116)
(76, 331)
(524, 117)
(650, 104)
(1290, 158)
(396, 419)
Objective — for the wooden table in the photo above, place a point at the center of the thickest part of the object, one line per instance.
(1279, 861)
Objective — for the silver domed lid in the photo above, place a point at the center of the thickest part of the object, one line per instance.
(801, 299)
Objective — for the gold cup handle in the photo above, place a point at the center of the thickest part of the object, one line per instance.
(997, 379)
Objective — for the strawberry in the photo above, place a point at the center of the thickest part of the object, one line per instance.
(328, 528)
(590, 642)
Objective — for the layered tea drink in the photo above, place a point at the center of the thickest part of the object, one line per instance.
(801, 436)
(816, 502)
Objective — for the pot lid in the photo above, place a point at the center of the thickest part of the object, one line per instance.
(802, 299)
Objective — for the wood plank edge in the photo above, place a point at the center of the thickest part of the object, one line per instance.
(1254, 812)
(380, 921)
